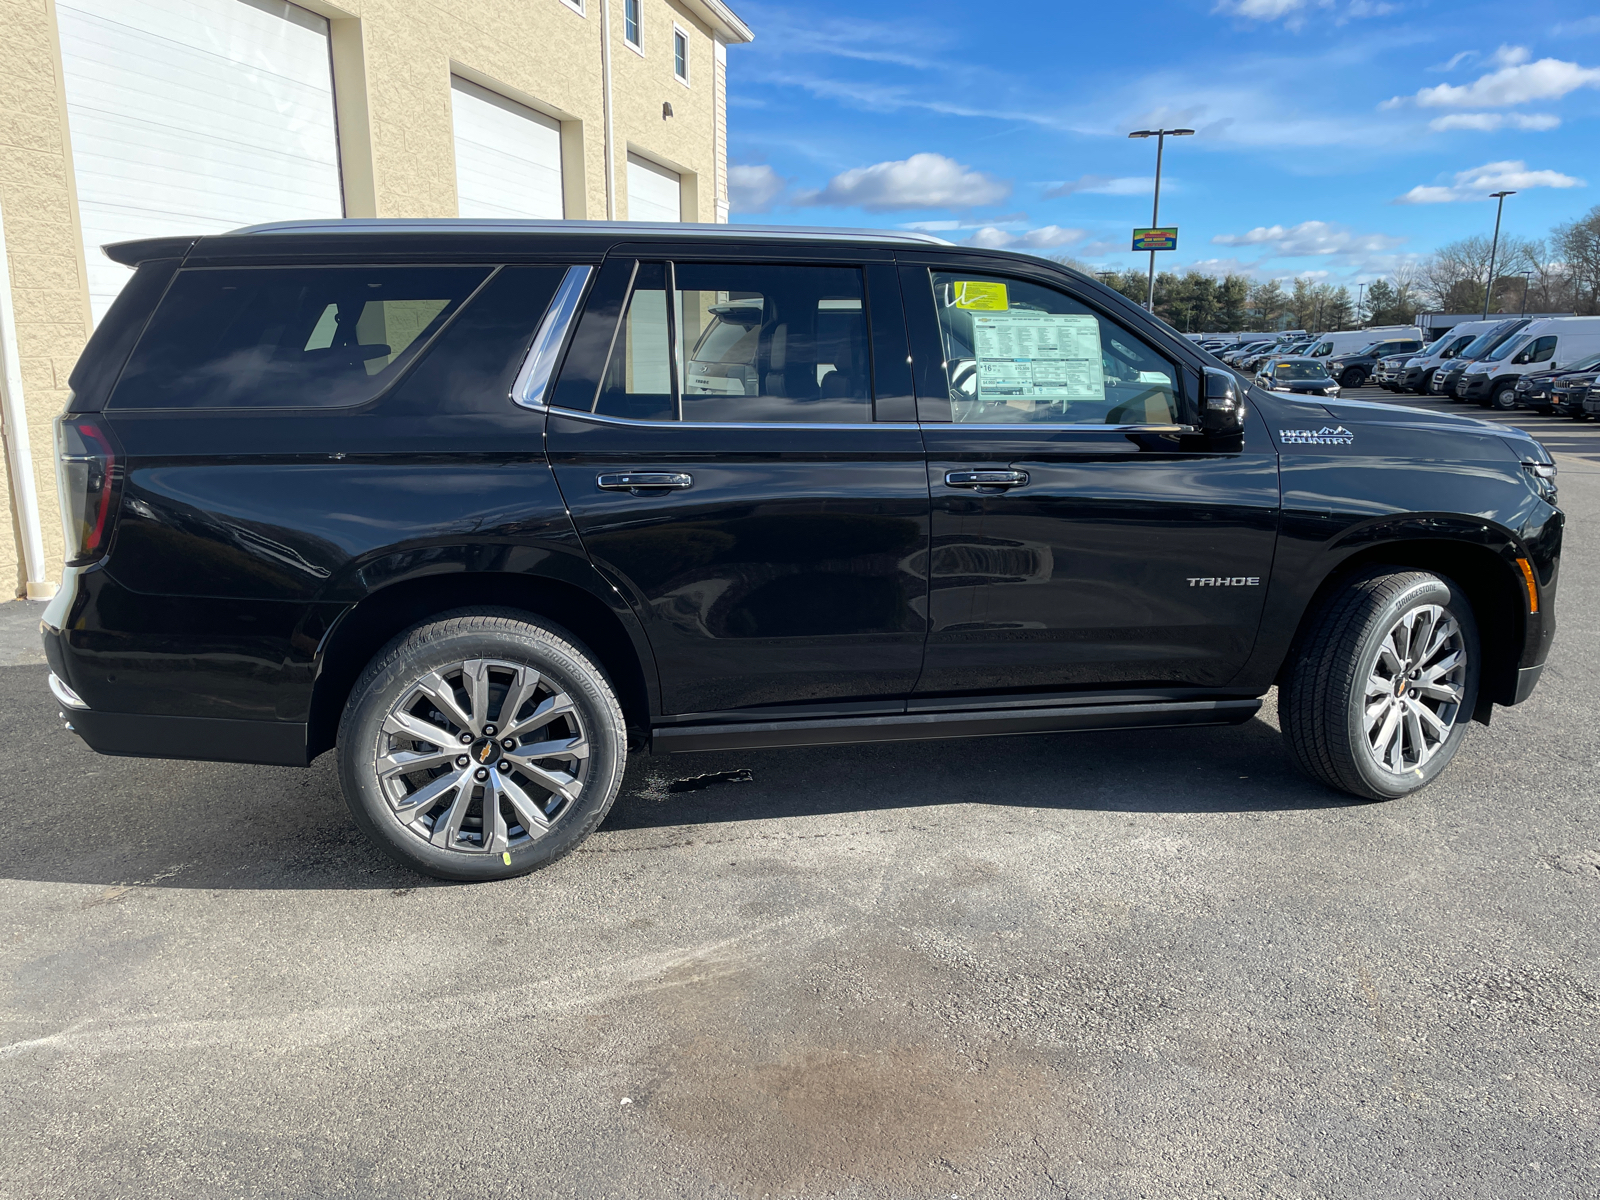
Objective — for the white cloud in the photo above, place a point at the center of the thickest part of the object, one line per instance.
(1309, 238)
(1516, 83)
(1489, 122)
(921, 181)
(1511, 56)
(1045, 238)
(933, 226)
(753, 189)
(1583, 25)
(1106, 185)
(1477, 183)
(1455, 61)
(1259, 10)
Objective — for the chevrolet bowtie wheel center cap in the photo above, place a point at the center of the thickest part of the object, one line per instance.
(485, 752)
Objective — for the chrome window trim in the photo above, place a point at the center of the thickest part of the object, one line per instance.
(601, 418)
(1066, 425)
(533, 379)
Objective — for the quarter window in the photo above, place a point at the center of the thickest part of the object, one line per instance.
(288, 337)
(1018, 352)
(742, 344)
(680, 54)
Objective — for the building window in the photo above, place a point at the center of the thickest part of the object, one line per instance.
(576, 6)
(680, 54)
(630, 24)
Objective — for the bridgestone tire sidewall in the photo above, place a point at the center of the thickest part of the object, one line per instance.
(1387, 784)
(426, 648)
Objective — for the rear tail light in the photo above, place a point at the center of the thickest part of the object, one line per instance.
(87, 474)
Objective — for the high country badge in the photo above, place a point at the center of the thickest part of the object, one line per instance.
(1328, 435)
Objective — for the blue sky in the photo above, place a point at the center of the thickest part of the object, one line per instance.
(1335, 138)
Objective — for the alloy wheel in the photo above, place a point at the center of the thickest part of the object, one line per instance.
(1414, 689)
(482, 756)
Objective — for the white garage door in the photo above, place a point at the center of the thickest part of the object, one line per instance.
(653, 192)
(195, 116)
(508, 157)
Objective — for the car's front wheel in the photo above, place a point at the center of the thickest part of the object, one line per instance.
(1382, 683)
(1504, 396)
(481, 745)
(1352, 378)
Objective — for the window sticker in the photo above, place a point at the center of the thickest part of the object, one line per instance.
(980, 296)
(1023, 353)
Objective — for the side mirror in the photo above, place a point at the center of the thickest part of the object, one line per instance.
(1222, 406)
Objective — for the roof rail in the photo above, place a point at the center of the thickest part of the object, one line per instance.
(651, 229)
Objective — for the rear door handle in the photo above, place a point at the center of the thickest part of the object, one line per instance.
(638, 482)
(985, 481)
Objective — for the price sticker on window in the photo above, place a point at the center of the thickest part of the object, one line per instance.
(978, 295)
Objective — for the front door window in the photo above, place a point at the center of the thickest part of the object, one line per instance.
(1019, 353)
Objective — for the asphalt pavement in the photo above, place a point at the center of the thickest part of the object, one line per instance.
(1144, 964)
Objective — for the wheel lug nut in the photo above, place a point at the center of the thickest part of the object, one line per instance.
(481, 774)
(510, 743)
(488, 731)
(504, 766)
(466, 739)
(462, 760)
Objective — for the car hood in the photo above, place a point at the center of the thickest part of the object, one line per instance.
(1363, 412)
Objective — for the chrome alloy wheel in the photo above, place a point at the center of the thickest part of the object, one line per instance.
(482, 757)
(1414, 689)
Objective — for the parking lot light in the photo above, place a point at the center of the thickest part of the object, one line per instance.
(1494, 247)
(1161, 136)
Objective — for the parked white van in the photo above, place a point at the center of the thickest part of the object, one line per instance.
(1547, 344)
(1348, 341)
(1419, 370)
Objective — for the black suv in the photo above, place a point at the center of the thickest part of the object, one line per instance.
(487, 506)
(1353, 370)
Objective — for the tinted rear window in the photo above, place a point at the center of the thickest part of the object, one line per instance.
(288, 337)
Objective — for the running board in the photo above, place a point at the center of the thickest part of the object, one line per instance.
(910, 727)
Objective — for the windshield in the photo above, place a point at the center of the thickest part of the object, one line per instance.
(1585, 364)
(1506, 349)
(1489, 339)
(1299, 370)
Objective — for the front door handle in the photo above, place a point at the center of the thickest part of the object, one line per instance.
(639, 482)
(987, 482)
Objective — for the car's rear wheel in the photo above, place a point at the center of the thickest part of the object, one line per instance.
(481, 745)
(1382, 683)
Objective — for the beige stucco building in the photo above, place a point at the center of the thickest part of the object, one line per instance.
(130, 118)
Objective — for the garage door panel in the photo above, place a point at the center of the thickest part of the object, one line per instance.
(195, 116)
(654, 192)
(508, 157)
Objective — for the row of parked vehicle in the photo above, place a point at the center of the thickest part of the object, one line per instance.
(1548, 364)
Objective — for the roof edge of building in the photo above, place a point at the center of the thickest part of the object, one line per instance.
(722, 19)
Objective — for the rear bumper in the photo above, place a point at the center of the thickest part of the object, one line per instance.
(198, 739)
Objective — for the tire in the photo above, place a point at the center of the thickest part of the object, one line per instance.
(546, 805)
(1504, 397)
(1352, 378)
(1340, 656)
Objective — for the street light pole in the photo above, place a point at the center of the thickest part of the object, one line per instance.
(1527, 278)
(1155, 209)
(1494, 246)
(1361, 295)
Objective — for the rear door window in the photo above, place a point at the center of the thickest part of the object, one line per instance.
(288, 337)
(741, 343)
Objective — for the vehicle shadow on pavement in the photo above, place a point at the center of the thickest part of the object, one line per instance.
(77, 817)
(1212, 770)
